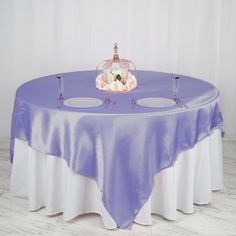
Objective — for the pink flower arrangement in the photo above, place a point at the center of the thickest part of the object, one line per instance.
(116, 81)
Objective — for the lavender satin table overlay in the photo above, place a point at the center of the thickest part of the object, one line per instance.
(136, 142)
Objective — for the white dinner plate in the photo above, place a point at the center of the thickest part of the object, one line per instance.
(83, 102)
(155, 102)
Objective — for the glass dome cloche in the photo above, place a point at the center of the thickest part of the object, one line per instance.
(115, 75)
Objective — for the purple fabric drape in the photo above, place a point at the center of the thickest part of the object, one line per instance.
(136, 142)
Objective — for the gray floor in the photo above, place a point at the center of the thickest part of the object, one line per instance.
(215, 219)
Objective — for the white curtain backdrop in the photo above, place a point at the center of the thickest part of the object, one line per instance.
(41, 37)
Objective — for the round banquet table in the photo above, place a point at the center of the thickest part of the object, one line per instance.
(120, 144)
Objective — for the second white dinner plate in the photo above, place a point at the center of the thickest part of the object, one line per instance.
(83, 102)
(155, 102)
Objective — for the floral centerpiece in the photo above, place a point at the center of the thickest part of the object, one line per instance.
(115, 75)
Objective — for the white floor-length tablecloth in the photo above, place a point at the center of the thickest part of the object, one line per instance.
(47, 181)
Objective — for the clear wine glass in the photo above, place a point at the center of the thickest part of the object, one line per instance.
(175, 86)
(175, 90)
(60, 89)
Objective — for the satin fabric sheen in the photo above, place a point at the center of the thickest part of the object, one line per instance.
(121, 146)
